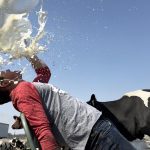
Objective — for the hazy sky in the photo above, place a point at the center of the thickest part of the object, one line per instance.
(99, 46)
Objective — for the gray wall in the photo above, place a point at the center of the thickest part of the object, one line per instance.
(3, 130)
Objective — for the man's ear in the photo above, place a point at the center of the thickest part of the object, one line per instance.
(20, 75)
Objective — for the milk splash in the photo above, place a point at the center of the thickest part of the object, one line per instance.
(16, 30)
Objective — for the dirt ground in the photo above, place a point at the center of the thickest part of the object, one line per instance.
(138, 144)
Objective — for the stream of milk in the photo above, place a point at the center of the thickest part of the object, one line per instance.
(16, 30)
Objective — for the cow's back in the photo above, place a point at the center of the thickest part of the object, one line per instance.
(132, 113)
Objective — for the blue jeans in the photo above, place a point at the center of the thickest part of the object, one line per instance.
(105, 136)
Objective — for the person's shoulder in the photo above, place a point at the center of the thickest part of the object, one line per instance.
(24, 86)
(22, 89)
(50, 86)
(24, 83)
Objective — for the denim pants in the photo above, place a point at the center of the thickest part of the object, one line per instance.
(105, 136)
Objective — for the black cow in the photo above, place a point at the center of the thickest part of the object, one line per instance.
(130, 113)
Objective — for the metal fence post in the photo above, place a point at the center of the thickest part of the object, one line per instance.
(32, 140)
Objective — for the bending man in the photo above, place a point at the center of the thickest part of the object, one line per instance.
(74, 124)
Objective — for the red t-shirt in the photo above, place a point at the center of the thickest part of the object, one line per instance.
(26, 99)
(43, 75)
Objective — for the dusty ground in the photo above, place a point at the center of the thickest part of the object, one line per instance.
(138, 144)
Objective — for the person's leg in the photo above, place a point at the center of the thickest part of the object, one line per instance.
(105, 136)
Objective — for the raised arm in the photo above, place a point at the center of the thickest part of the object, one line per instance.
(42, 70)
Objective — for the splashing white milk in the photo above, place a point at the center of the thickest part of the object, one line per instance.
(16, 29)
(17, 6)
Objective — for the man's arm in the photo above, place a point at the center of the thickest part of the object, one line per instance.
(42, 70)
(36, 62)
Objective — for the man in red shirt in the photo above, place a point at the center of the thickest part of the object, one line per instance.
(43, 75)
(46, 107)
(42, 70)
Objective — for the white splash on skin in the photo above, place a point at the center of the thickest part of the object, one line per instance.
(144, 95)
(16, 29)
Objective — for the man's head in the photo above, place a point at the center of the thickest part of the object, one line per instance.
(8, 80)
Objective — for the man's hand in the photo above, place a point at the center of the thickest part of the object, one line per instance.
(17, 124)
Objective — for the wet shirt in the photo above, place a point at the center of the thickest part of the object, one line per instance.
(71, 120)
(26, 99)
(43, 75)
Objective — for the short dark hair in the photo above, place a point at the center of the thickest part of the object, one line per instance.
(4, 97)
